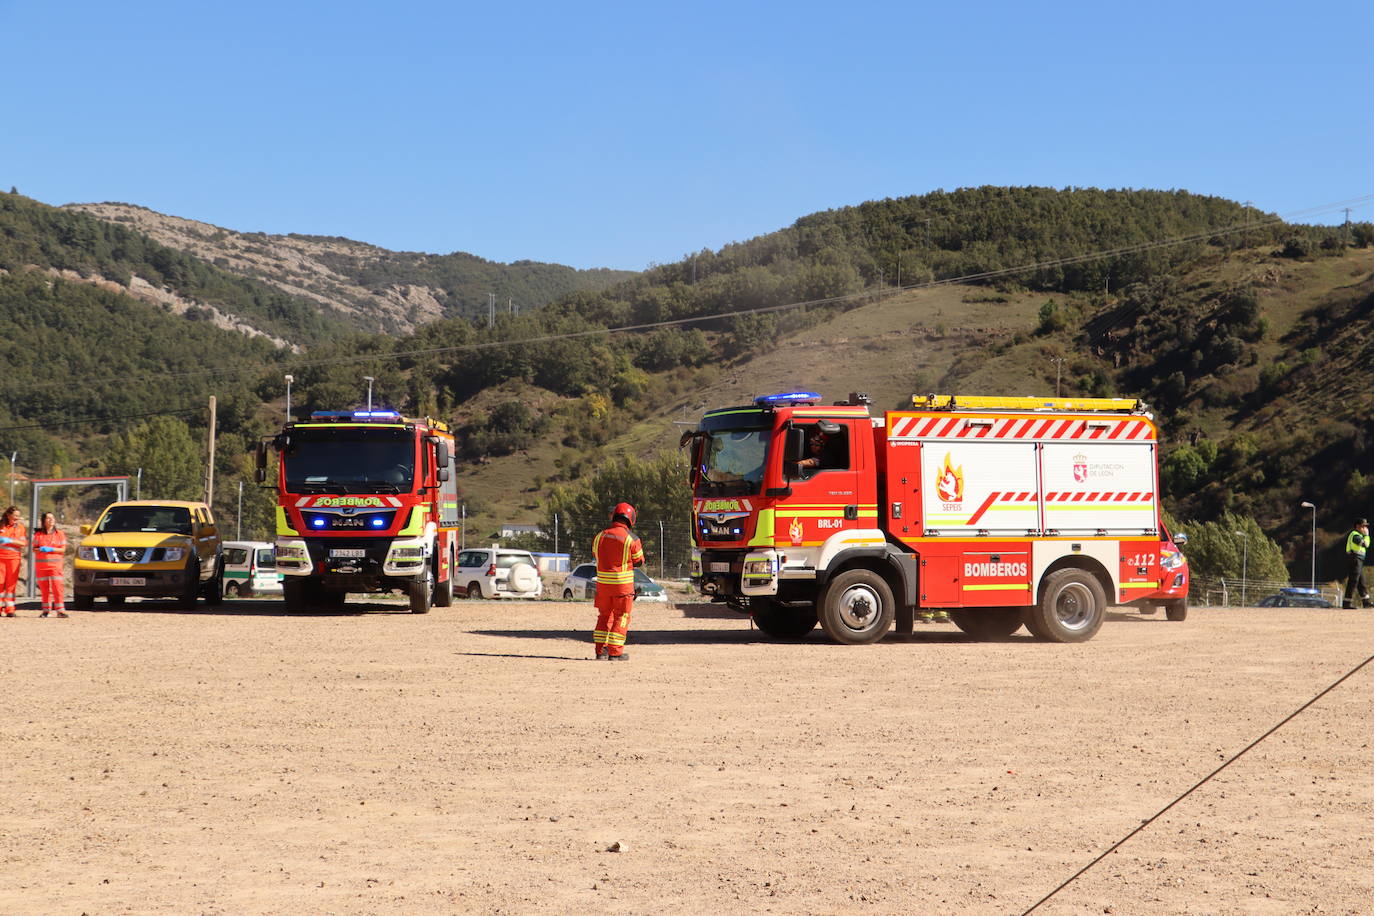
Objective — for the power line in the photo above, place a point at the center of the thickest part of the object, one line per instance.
(295, 365)
(47, 424)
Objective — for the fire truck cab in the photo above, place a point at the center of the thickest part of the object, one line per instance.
(366, 503)
(1003, 511)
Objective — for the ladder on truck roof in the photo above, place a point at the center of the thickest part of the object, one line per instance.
(996, 402)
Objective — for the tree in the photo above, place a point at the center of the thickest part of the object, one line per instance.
(1216, 551)
(169, 457)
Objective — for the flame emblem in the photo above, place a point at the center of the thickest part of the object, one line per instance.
(796, 531)
(950, 486)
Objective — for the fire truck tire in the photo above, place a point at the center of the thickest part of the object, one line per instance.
(82, 602)
(1176, 610)
(781, 620)
(987, 623)
(856, 607)
(443, 591)
(420, 591)
(1071, 609)
(293, 593)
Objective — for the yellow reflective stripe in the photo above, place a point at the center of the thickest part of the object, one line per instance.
(763, 529)
(621, 577)
(1010, 586)
(283, 524)
(1149, 585)
(416, 525)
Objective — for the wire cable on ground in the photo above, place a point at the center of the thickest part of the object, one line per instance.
(1201, 782)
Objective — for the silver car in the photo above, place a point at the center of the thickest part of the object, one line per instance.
(581, 584)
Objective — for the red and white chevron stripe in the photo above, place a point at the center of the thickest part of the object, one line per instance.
(1065, 496)
(944, 426)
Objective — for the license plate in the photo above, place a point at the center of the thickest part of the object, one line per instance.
(720, 567)
(350, 552)
(129, 580)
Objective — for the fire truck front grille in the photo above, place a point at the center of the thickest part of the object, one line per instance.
(720, 527)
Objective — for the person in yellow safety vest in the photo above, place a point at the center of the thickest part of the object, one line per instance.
(1356, 543)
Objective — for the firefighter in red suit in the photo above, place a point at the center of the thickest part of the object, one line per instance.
(14, 540)
(49, 550)
(617, 553)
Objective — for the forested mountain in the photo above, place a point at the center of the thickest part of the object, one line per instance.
(1243, 332)
(367, 286)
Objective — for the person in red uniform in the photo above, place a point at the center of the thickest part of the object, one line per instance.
(617, 553)
(49, 552)
(14, 540)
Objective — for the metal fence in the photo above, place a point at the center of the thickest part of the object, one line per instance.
(1239, 592)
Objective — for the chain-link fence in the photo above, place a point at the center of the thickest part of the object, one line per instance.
(1240, 592)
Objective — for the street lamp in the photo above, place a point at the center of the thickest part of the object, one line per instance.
(1244, 563)
(289, 380)
(13, 457)
(1313, 507)
(369, 379)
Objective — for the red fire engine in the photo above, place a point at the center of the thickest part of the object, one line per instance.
(1002, 510)
(366, 503)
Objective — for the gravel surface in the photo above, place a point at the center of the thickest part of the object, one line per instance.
(477, 760)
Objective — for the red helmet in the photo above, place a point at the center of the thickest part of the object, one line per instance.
(625, 511)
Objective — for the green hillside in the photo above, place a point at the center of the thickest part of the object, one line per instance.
(1244, 333)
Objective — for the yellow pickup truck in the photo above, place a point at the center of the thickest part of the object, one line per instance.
(150, 549)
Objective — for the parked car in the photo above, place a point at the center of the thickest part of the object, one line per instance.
(497, 572)
(250, 568)
(1296, 597)
(581, 584)
(150, 549)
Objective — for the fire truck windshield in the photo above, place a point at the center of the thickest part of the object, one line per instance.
(732, 461)
(350, 459)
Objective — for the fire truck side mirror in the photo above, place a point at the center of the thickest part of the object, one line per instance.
(441, 457)
(260, 462)
(441, 474)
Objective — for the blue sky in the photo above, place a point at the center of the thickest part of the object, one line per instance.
(622, 134)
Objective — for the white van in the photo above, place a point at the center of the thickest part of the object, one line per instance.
(250, 568)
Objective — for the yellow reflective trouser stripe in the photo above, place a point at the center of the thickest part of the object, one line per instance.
(615, 639)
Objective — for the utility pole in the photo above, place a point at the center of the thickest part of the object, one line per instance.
(555, 535)
(138, 485)
(662, 573)
(491, 310)
(369, 379)
(289, 380)
(210, 464)
(238, 525)
(1058, 372)
(1345, 229)
(13, 457)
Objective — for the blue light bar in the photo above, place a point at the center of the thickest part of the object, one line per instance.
(355, 415)
(788, 399)
(379, 521)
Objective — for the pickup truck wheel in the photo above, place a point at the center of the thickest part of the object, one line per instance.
(782, 621)
(1071, 609)
(191, 589)
(420, 590)
(115, 601)
(987, 623)
(214, 590)
(82, 602)
(857, 607)
(1176, 610)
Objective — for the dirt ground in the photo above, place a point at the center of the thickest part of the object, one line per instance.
(477, 760)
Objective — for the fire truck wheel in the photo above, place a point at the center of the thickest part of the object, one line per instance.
(293, 594)
(1176, 610)
(443, 592)
(420, 591)
(857, 607)
(987, 623)
(781, 620)
(1071, 609)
